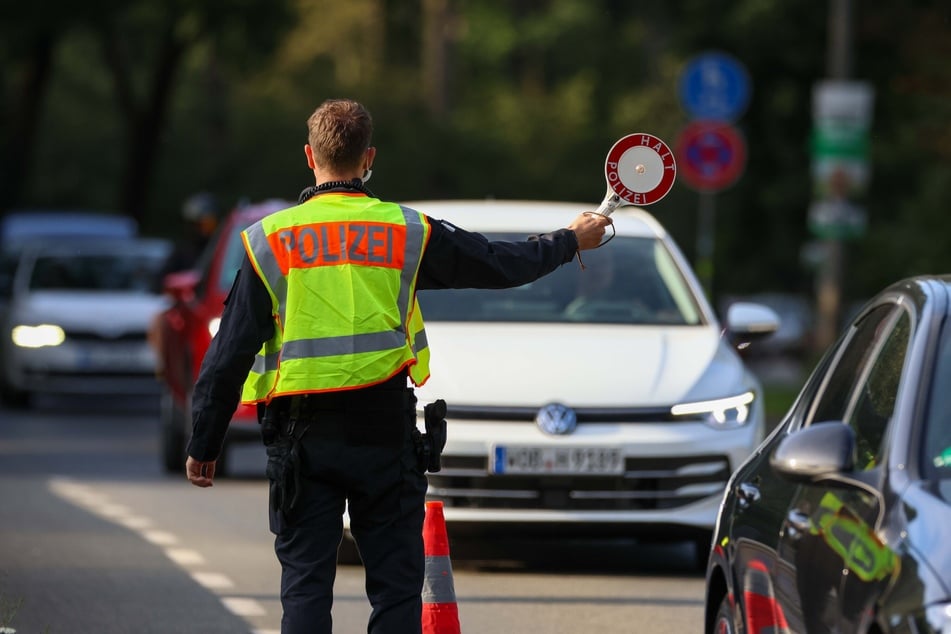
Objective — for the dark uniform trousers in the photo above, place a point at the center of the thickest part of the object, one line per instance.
(356, 449)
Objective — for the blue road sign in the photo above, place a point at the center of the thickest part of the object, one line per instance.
(715, 86)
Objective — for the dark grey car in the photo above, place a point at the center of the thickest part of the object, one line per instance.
(839, 521)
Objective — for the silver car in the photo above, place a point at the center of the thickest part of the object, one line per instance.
(75, 314)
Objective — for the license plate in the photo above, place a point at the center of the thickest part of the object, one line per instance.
(556, 460)
(112, 358)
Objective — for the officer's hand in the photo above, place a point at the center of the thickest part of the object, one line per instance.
(589, 229)
(201, 474)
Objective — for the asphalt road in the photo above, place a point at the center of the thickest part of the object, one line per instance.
(95, 538)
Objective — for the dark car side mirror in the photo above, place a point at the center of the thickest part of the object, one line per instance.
(747, 322)
(181, 285)
(822, 451)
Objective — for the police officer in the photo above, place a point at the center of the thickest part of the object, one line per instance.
(200, 212)
(322, 330)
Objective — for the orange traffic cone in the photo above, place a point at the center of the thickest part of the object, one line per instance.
(440, 612)
(764, 614)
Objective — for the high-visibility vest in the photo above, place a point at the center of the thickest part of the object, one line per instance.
(852, 539)
(341, 272)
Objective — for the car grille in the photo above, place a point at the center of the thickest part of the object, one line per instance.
(502, 414)
(80, 335)
(646, 484)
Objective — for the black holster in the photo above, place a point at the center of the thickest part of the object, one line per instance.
(429, 446)
(281, 435)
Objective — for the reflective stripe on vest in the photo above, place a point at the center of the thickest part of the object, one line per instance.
(366, 255)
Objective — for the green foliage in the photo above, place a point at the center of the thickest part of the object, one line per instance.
(475, 98)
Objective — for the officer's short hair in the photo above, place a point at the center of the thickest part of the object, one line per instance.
(339, 133)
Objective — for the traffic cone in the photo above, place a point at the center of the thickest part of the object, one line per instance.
(764, 614)
(440, 612)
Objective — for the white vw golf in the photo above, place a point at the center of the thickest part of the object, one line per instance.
(608, 401)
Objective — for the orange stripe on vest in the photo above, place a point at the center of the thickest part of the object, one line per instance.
(333, 243)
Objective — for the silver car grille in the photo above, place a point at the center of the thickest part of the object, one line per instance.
(647, 483)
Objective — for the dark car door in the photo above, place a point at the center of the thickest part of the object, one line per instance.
(756, 509)
(828, 547)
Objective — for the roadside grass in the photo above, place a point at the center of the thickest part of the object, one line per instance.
(778, 398)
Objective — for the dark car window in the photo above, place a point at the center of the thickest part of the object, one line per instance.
(875, 398)
(125, 271)
(231, 260)
(8, 266)
(833, 403)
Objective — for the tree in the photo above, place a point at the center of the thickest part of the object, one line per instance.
(143, 46)
(28, 41)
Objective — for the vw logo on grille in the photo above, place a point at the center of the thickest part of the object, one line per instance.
(555, 418)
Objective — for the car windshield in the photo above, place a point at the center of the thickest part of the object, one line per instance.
(124, 271)
(629, 281)
(231, 260)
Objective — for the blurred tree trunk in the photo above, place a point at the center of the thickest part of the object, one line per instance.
(437, 43)
(145, 118)
(23, 122)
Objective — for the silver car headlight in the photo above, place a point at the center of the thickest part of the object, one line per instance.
(37, 336)
(720, 413)
(934, 619)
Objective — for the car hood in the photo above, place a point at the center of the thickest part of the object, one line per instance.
(509, 364)
(108, 313)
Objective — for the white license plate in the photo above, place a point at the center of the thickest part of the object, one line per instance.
(507, 459)
(111, 358)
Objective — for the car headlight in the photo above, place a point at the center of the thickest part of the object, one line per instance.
(936, 619)
(213, 325)
(37, 336)
(720, 413)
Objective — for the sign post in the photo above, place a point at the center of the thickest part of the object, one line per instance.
(842, 116)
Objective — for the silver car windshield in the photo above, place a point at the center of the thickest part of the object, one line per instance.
(629, 281)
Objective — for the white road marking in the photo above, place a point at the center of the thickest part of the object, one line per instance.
(213, 580)
(100, 504)
(184, 556)
(116, 511)
(243, 607)
(135, 522)
(160, 538)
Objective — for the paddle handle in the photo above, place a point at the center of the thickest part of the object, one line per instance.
(610, 203)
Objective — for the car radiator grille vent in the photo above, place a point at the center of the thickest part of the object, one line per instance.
(95, 336)
(646, 484)
(585, 415)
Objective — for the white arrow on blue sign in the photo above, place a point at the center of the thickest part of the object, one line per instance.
(716, 86)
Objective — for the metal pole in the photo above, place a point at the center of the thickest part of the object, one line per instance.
(829, 282)
(706, 226)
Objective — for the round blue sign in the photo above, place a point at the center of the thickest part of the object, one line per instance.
(715, 86)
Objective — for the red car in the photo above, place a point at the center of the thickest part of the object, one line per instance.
(182, 334)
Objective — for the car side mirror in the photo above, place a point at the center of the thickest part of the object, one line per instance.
(747, 322)
(822, 451)
(181, 285)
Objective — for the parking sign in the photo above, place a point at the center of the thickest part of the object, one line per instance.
(714, 86)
